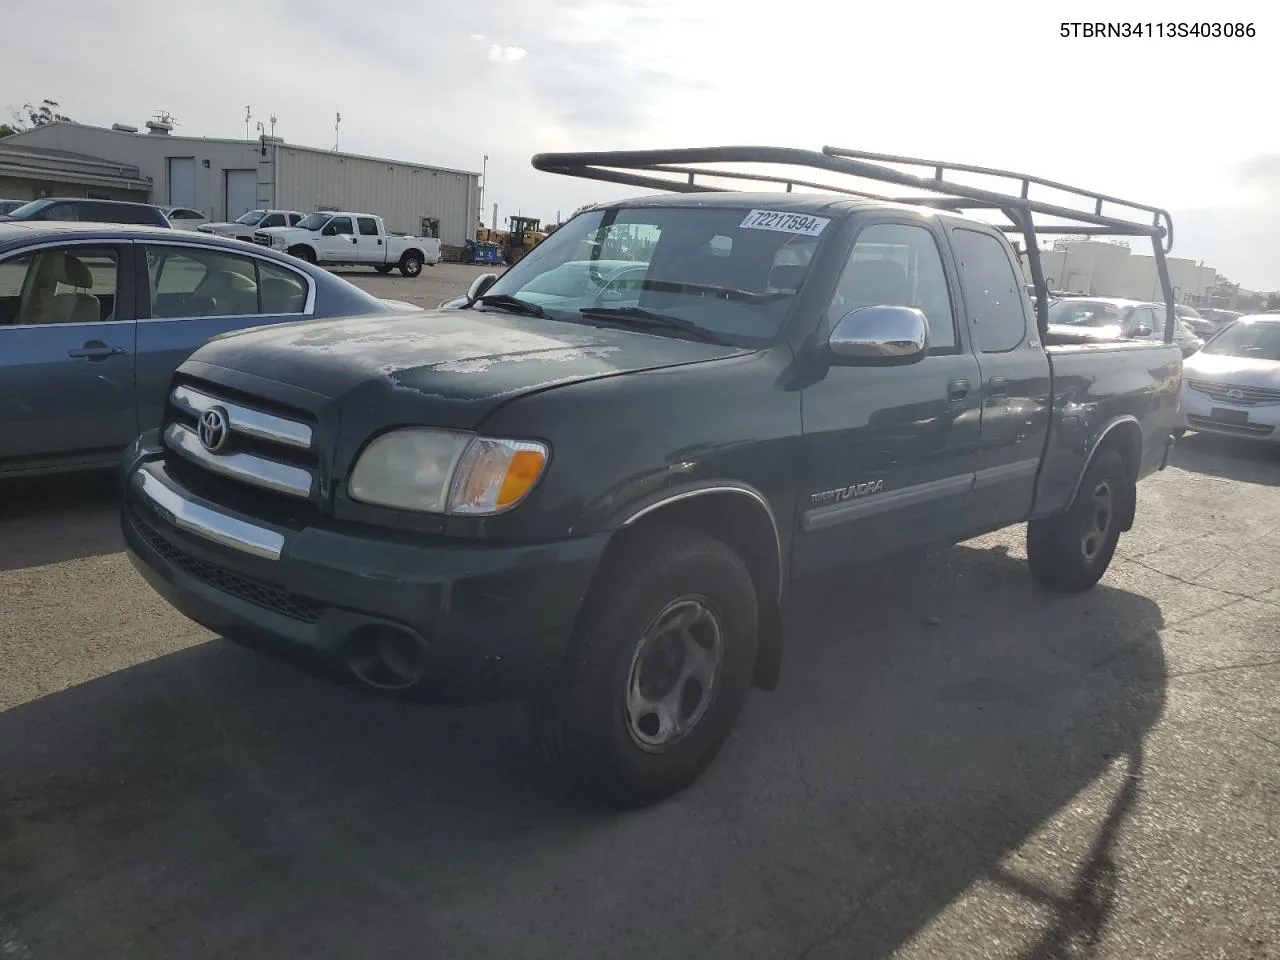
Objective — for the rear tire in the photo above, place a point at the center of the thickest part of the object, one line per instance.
(658, 671)
(383, 268)
(411, 264)
(1071, 551)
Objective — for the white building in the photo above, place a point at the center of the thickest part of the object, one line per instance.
(224, 178)
(1103, 269)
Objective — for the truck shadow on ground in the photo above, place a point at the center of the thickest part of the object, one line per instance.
(1247, 461)
(932, 716)
(63, 517)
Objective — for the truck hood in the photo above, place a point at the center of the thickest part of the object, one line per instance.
(447, 368)
(282, 231)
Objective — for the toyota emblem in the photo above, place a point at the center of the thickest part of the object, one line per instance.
(1235, 394)
(214, 429)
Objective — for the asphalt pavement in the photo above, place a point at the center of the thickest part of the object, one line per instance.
(957, 764)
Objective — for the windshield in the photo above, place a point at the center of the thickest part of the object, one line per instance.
(251, 218)
(314, 221)
(27, 209)
(1253, 340)
(731, 272)
(1085, 313)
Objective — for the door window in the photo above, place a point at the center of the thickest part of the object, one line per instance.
(993, 293)
(340, 226)
(193, 282)
(74, 285)
(898, 265)
(368, 226)
(272, 220)
(294, 219)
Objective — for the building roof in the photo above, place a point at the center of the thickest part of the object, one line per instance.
(250, 143)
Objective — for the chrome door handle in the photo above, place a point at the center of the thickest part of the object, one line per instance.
(95, 350)
(997, 387)
(957, 390)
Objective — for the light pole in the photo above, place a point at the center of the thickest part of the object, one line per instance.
(484, 179)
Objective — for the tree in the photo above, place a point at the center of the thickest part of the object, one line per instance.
(32, 115)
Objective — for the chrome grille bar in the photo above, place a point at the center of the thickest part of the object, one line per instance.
(247, 467)
(243, 420)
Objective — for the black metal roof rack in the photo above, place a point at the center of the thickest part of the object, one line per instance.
(643, 168)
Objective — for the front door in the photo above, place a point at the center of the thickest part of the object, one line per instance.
(890, 452)
(195, 293)
(66, 355)
(338, 241)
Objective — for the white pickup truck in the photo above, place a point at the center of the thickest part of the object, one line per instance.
(339, 238)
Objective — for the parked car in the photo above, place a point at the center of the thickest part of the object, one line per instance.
(94, 320)
(1219, 318)
(601, 505)
(89, 211)
(335, 239)
(1232, 386)
(1199, 325)
(243, 226)
(184, 218)
(7, 206)
(1114, 318)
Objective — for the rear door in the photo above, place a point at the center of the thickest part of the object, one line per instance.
(370, 244)
(67, 340)
(192, 293)
(1016, 381)
(890, 452)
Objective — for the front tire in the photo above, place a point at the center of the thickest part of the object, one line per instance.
(1071, 551)
(410, 264)
(383, 268)
(659, 669)
(304, 253)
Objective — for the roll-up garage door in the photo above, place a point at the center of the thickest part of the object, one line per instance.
(182, 181)
(242, 192)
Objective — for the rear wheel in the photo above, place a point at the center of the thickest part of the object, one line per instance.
(1071, 551)
(658, 672)
(411, 264)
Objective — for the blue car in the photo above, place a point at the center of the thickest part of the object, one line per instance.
(95, 318)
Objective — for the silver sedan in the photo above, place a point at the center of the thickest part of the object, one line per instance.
(1232, 386)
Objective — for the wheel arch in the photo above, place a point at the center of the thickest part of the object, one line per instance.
(741, 517)
(1123, 435)
(294, 249)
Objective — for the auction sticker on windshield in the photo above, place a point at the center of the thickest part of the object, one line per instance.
(798, 223)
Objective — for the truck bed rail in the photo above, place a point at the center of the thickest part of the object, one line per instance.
(645, 168)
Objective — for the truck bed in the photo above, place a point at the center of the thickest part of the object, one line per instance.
(1097, 386)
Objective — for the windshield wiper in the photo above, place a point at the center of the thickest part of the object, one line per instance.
(643, 319)
(504, 301)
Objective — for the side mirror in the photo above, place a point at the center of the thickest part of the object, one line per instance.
(1142, 329)
(880, 335)
(479, 285)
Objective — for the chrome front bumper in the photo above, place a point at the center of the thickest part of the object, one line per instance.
(1203, 414)
(201, 520)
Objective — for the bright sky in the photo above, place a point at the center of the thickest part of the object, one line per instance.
(437, 81)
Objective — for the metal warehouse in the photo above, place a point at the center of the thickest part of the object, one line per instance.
(224, 178)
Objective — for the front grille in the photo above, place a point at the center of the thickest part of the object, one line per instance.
(1236, 394)
(262, 239)
(261, 594)
(1237, 429)
(269, 453)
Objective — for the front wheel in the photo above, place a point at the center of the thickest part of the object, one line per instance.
(383, 268)
(410, 265)
(659, 669)
(1071, 551)
(304, 253)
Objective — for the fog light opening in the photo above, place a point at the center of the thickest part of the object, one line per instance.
(387, 658)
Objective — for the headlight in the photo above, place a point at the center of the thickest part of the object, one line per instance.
(437, 471)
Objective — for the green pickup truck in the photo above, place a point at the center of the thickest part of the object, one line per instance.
(592, 482)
